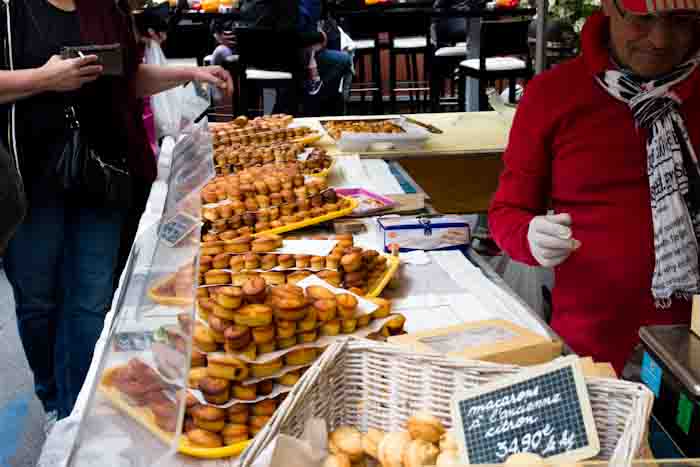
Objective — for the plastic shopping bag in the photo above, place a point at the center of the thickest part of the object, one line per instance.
(179, 107)
(166, 105)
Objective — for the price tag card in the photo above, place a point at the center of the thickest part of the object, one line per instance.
(545, 411)
(178, 227)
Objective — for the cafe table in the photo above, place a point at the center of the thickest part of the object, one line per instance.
(458, 169)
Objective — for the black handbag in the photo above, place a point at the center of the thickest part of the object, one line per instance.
(81, 171)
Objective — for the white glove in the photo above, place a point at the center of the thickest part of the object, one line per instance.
(550, 239)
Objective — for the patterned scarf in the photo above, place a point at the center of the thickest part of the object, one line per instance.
(674, 177)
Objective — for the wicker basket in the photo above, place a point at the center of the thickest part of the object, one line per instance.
(369, 384)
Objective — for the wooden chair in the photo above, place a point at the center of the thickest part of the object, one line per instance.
(408, 38)
(368, 78)
(445, 62)
(504, 55)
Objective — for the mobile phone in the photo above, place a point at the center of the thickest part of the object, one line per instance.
(109, 56)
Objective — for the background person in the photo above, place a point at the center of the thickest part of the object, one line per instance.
(63, 257)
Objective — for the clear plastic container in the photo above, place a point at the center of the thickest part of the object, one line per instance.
(136, 407)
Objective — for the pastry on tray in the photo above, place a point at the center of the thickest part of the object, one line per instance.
(175, 289)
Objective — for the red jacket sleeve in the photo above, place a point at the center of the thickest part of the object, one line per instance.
(524, 186)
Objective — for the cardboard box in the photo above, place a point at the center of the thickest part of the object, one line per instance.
(496, 341)
(425, 233)
(597, 370)
(695, 319)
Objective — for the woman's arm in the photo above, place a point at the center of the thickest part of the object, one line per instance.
(153, 79)
(56, 75)
(16, 85)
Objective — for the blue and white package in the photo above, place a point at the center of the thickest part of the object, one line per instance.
(425, 233)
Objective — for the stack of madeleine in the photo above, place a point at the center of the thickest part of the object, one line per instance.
(237, 330)
(248, 204)
(424, 443)
(233, 262)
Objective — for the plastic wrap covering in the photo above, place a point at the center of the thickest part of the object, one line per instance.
(135, 412)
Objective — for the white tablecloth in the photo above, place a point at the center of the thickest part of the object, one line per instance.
(443, 289)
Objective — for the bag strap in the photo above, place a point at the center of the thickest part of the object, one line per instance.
(5, 35)
(8, 63)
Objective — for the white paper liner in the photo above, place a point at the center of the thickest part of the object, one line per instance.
(279, 269)
(323, 341)
(307, 247)
(297, 247)
(276, 391)
(279, 374)
(363, 305)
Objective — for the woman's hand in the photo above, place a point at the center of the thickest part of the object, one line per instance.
(214, 75)
(62, 75)
(155, 36)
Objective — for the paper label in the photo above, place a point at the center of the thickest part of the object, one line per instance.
(459, 340)
(177, 228)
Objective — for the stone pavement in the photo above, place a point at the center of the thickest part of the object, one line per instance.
(22, 418)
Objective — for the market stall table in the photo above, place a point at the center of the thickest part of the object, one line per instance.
(459, 168)
(467, 293)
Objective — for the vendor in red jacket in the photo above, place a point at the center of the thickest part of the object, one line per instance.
(601, 178)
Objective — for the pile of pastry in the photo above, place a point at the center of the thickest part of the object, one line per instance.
(266, 122)
(246, 155)
(207, 426)
(142, 386)
(263, 132)
(265, 198)
(236, 157)
(335, 128)
(424, 443)
(249, 323)
(254, 320)
(233, 262)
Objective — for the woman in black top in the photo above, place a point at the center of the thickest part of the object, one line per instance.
(62, 258)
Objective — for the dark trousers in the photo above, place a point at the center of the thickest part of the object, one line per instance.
(60, 264)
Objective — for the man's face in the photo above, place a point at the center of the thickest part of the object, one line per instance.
(651, 45)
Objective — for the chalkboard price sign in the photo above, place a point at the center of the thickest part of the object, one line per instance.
(545, 411)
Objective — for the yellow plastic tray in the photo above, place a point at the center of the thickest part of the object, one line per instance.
(380, 285)
(314, 220)
(309, 139)
(145, 418)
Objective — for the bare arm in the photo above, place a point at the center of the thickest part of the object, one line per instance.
(16, 85)
(153, 79)
(56, 75)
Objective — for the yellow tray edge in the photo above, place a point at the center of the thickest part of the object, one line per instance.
(394, 264)
(145, 419)
(314, 220)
